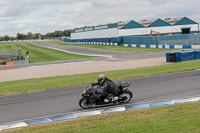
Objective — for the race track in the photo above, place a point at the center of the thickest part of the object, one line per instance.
(111, 60)
(115, 54)
(65, 100)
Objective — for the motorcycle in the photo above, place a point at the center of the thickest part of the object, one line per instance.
(90, 97)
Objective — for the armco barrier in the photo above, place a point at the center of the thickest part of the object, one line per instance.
(95, 112)
(94, 43)
(166, 46)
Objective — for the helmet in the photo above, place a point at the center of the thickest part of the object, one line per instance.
(101, 78)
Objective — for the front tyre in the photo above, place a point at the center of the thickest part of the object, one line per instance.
(84, 103)
(125, 96)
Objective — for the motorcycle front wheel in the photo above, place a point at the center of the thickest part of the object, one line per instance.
(84, 103)
(125, 96)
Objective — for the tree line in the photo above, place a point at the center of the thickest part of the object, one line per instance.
(29, 35)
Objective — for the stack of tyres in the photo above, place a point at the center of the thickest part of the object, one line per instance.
(171, 57)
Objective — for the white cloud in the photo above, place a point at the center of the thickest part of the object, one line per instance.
(21, 26)
(47, 15)
(1, 27)
(82, 6)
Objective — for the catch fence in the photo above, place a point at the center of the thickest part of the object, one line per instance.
(189, 39)
(10, 53)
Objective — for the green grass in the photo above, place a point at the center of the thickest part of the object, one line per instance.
(30, 85)
(1, 61)
(180, 118)
(113, 48)
(39, 54)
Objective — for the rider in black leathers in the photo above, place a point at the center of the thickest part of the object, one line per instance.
(108, 90)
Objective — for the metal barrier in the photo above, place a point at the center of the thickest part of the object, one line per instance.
(9, 53)
(138, 40)
(189, 39)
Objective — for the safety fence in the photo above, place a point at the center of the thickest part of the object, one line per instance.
(9, 54)
(14, 55)
(106, 40)
(189, 39)
(165, 46)
(29, 40)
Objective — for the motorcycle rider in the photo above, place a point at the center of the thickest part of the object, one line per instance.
(108, 88)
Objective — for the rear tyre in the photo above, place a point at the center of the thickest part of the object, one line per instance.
(85, 104)
(125, 96)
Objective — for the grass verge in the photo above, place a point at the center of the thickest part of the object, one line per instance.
(112, 48)
(40, 54)
(182, 118)
(2, 61)
(30, 85)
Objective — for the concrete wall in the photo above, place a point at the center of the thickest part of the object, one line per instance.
(105, 33)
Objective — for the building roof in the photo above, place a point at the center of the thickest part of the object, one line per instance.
(185, 21)
(147, 22)
(172, 21)
(122, 23)
(158, 23)
(131, 25)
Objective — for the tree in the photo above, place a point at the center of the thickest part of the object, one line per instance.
(29, 35)
(19, 36)
(66, 33)
(37, 35)
(6, 37)
(12, 38)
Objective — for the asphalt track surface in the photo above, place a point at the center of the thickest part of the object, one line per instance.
(65, 100)
(115, 54)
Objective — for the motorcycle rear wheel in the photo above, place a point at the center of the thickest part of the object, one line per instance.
(125, 96)
(85, 104)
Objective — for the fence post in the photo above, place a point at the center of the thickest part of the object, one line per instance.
(19, 53)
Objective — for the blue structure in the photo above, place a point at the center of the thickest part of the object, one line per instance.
(183, 55)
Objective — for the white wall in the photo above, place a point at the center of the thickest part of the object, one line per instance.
(106, 33)
(193, 27)
(127, 32)
(164, 29)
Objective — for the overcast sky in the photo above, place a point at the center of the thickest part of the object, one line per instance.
(42, 16)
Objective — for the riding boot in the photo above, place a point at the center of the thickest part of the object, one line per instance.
(108, 98)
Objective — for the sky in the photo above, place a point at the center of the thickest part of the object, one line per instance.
(43, 16)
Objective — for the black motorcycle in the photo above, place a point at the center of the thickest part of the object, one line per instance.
(90, 98)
